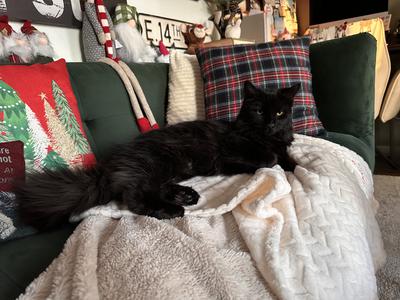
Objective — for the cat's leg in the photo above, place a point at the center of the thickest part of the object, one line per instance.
(287, 164)
(149, 203)
(237, 165)
(179, 194)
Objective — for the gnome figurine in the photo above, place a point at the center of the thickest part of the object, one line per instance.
(5, 30)
(16, 45)
(40, 44)
(127, 29)
(18, 48)
(97, 32)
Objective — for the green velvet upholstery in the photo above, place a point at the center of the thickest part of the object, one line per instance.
(104, 103)
(343, 73)
(21, 260)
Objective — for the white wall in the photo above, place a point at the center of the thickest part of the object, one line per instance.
(185, 10)
(67, 42)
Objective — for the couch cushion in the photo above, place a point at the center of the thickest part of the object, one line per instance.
(104, 103)
(343, 86)
(22, 260)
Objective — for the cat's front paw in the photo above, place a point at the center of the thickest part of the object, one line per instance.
(181, 195)
(270, 160)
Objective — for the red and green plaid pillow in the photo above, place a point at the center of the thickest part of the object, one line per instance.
(270, 66)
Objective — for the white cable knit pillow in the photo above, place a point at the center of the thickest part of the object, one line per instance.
(391, 103)
(186, 95)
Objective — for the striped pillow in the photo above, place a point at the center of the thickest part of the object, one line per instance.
(270, 66)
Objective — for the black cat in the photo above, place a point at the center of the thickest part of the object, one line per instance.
(144, 174)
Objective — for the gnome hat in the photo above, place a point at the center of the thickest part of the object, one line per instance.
(27, 28)
(4, 26)
(124, 13)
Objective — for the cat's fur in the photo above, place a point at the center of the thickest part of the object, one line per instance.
(144, 174)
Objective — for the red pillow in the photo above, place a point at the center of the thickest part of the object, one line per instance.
(39, 108)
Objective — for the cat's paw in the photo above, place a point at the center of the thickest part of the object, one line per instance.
(181, 195)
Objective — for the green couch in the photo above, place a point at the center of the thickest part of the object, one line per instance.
(343, 84)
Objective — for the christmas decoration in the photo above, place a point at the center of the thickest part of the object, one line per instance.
(226, 12)
(233, 29)
(16, 45)
(164, 53)
(144, 116)
(39, 41)
(194, 36)
(97, 32)
(5, 30)
(127, 28)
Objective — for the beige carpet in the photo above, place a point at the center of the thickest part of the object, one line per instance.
(387, 192)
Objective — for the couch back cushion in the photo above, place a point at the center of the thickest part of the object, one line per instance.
(343, 85)
(104, 103)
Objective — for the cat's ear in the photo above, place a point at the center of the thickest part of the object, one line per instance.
(249, 90)
(289, 92)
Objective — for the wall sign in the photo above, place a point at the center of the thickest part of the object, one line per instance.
(156, 29)
(65, 13)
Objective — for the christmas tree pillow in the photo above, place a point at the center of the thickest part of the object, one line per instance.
(38, 109)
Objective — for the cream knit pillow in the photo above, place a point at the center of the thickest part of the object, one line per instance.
(391, 103)
(382, 68)
(186, 96)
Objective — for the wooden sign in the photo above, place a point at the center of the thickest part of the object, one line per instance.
(156, 29)
(65, 13)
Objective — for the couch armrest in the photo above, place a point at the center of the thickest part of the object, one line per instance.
(343, 73)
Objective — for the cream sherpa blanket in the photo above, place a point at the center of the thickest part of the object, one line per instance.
(310, 234)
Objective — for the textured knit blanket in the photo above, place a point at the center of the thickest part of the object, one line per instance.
(310, 234)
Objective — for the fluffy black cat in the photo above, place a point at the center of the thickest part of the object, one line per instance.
(144, 174)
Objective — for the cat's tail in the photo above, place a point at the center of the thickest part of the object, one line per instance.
(47, 199)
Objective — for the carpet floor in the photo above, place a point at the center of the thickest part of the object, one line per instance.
(387, 192)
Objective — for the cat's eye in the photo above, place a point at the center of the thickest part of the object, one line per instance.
(279, 114)
(259, 112)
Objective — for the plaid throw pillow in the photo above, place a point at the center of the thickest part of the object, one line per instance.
(270, 66)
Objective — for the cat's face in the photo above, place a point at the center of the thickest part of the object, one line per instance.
(271, 111)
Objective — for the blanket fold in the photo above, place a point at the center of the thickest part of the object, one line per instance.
(310, 234)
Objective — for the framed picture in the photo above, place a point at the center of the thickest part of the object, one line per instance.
(156, 29)
(65, 13)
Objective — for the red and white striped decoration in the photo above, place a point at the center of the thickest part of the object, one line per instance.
(102, 17)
